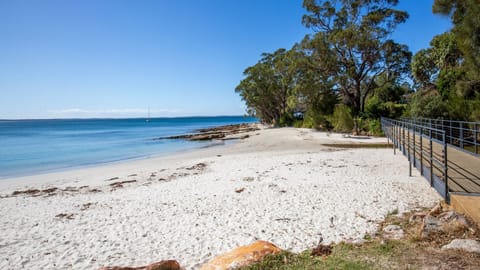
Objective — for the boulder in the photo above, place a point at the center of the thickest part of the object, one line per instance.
(468, 245)
(242, 256)
(161, 265)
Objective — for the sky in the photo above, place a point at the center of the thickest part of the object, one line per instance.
(125, 58)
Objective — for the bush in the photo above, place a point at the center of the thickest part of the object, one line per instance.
(374, 127)
(342, 119)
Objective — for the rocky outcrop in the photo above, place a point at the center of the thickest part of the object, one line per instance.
(242, 256)
(216, 133)
(162, 265)
(441, 220)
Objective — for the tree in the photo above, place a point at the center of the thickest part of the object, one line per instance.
(268, 85)
(439, 66)
(352, 44)
(466, 21)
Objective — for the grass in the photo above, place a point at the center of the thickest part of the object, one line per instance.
(377, 252)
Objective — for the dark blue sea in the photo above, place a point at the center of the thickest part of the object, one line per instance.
(38, 146)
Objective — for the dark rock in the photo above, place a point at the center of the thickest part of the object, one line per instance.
(322, 250)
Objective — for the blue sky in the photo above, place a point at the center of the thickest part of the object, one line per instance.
(92, 58)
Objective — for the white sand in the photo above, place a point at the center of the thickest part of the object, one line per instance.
(294, 190)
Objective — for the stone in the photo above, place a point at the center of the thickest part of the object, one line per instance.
(431, 224)
(393, 232)
(161, 265)
(242, 256)
(417, 217)
(468, 245)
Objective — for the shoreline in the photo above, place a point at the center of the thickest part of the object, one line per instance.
(279, 185)
(228, 135)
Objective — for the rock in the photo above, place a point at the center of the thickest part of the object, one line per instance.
(242, 256)
(239, 190)
(161, 265)
(431, 224)
(468, 245)
(322, 250)
(393, 232)
(417, 217)
(447, 216)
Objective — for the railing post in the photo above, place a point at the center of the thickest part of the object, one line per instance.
(421, 150)
(394, 139)
(475, 137)
(445, 160)
(431, 157)
(451, 132)
(461, 135)
(414, 146)
(408, 152)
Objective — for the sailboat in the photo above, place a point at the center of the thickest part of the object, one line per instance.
(148, 117)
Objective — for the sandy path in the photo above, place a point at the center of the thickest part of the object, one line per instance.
(186, 207)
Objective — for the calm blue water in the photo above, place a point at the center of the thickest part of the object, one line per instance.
(36, 146)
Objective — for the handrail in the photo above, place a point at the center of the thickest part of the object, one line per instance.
(425, 142)
(463, 135)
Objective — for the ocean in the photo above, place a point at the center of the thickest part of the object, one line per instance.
(38, 146)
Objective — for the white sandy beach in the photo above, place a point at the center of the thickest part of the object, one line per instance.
(279, 185)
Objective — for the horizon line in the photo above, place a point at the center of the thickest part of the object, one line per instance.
(117, 118)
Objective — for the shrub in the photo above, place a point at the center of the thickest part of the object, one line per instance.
(342, 119)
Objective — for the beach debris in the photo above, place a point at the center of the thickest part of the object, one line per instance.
(199, 166)
(85, 206)
(161, 265)
(65, 215)
(113, 178)
(120, 183)
(248, 179)
(242, 256)
(468, 245)
(26, 192)
(239, 190)
(35, 192)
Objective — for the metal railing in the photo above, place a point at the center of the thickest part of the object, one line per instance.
(425, 142)
(461, 134)
(416, 142)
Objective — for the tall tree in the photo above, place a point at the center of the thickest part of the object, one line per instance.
(268, 86)
(352, 41)
(466, 21)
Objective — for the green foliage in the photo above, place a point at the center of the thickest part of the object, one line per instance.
(427, 106)
(466, 33)
(268, 86)
(342, 119)
(374, 127)
(352, 44)
(302, 261)
(375, 108)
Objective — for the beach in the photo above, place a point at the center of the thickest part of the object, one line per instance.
(280, 185)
